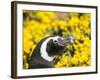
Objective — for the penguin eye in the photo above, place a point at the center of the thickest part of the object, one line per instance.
(55, 41)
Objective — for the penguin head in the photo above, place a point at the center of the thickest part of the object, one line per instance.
(54, 46)
(57, 45)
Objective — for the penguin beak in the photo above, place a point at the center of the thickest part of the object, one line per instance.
(66, 41)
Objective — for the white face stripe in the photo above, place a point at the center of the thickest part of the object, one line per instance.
(43, 51)
(55, 38)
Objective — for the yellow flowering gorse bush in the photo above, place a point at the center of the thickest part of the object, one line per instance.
(38, 25)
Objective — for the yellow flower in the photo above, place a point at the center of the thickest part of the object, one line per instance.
(58, 65)
(27, 46)
(89, 62)
(26, 65)
(74, 61)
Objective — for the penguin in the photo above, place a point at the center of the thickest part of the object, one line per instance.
(48, 49)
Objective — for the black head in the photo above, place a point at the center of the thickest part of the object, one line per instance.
(57, 45)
